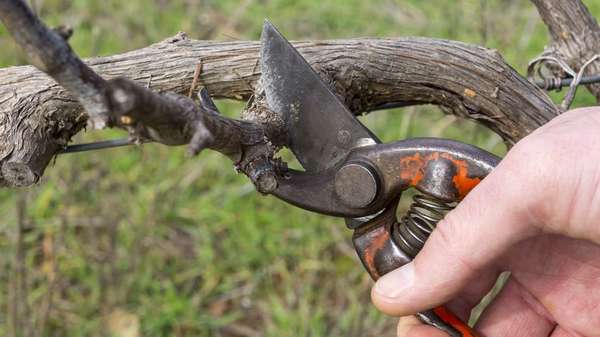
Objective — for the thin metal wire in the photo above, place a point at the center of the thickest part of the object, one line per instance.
(536, 67)
(106, 144)
(559, 83)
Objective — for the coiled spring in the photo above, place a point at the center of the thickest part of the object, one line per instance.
(411, 232)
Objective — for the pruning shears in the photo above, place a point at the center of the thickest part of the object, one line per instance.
(350, 173)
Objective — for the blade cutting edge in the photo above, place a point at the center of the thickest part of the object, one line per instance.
(321, 129)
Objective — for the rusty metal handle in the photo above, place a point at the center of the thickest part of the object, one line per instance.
(380, 254)
(444, 171)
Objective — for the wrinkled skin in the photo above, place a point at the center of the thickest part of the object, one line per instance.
(536, 215)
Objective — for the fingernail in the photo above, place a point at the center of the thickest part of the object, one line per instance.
(395, 283)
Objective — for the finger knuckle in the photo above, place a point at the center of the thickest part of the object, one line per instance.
(532, 175)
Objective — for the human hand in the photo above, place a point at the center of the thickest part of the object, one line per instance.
(537, 215)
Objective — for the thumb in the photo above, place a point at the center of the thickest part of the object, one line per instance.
(484, 225)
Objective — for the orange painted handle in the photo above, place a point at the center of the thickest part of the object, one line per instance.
(380, 255)
(447, 317)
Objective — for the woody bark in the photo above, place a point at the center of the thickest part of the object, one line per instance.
(38, 117)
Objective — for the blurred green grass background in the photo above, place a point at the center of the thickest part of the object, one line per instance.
(146, 242)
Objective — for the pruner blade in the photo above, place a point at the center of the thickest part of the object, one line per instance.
(321, 130)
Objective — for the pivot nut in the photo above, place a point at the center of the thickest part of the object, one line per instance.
(356, 185)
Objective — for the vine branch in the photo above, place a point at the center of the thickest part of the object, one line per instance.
(168, 118)
(368, 74)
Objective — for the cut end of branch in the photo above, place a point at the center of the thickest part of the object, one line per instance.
(122, 101)
(18, 174)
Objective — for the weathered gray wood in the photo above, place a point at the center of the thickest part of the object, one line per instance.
(38, 117)
(49, 51)
(575, 34)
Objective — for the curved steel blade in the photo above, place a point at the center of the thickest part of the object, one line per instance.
(321, 129)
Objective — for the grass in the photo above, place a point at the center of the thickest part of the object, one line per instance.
(146, 242)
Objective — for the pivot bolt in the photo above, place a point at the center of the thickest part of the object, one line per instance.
(356, 185)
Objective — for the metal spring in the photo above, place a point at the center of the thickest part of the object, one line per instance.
(411, 232)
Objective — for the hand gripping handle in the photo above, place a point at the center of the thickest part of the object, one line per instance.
(443, 169)
(380, 255)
